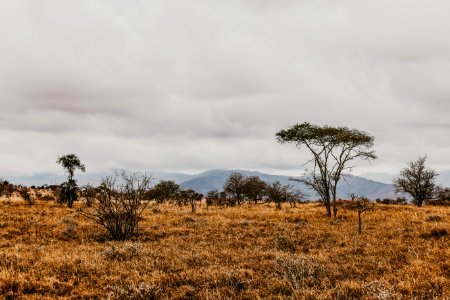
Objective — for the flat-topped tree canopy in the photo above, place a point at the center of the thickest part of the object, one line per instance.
(332, 149)
(314, 135)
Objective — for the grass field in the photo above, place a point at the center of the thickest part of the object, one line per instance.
(48, 251)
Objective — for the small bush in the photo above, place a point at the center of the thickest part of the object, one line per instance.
(285, 243)
(435, 233)
(69, 231)
(434, 218)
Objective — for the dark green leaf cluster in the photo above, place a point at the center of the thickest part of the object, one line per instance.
(307, 133)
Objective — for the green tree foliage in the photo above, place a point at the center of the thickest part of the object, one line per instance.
(68, 191)
(280, 194)
(235, 187)
(418, 181)
(212, 198)
(254, 188)
(26, 195)
(332, 149)
(165, 190)
(6, 188)
(189, 196)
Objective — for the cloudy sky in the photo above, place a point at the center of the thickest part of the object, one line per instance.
(194, 85)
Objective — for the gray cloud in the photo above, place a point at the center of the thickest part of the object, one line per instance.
(198, 85)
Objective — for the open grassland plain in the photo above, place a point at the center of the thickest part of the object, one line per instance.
(48, 251)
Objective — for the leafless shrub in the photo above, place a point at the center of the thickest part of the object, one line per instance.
(119, 207)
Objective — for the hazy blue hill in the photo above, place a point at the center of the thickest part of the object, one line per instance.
(215, 179)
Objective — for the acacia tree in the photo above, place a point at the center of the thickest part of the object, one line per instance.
(68, 192)
(418, 181)
(332, 149)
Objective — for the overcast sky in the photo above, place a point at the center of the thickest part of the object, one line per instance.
(194, 85)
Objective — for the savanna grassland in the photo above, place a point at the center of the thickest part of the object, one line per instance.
(48, 251)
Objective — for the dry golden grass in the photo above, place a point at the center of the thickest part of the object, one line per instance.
(48, 251)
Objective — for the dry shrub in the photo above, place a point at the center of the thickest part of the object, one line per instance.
(285, 243)
(69, 231)
(434, 218)
(435, 233)
(380, 290)
(300, 272)
(120, 205)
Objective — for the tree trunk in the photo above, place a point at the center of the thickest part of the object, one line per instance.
(328, 207)
(359, 222)
(193, 207)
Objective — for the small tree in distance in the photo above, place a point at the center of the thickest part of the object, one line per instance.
(418, 181)
(6, 188)
(254, 188)
(280, 194)
(68, 192)
(235, 187)
(164, 191)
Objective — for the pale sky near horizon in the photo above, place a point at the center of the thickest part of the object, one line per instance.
(195, 85)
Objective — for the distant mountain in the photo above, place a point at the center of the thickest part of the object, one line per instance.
(215, 179)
